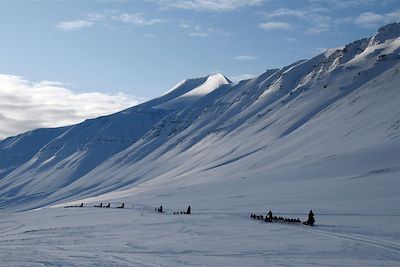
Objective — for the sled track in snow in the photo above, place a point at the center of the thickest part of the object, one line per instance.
(383, 244)
(13, 226)
(363, 240)
(386, 245)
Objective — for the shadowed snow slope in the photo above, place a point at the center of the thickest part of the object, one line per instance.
(46, 160)
(320, 133)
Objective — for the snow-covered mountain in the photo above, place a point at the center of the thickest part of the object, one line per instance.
(322, 132)
(46, 160)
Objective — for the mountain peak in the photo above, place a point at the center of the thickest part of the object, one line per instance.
(189, 90)
(220, 77)
(387, 32)
(213, 82)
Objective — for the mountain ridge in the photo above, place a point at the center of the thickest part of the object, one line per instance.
(272, 117)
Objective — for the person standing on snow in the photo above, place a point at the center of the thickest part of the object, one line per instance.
(310, 220)
(269, 216)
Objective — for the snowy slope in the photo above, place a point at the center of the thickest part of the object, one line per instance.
(14, 151)
(58, 157)
(341, 103)
(210, 84)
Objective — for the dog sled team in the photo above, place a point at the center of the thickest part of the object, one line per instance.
(109, 206)
(187, 212)
(75, 206)
(267, 218)
(97, 206)
(270, 218)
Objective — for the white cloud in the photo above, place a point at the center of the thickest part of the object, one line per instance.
(342, 4)
(323, 27)
(246, 57)
(368, 18)
(283, 12)
(98, 18)
(184, 25)
(373, 20)
(198, 34)
(210, 5)
(137, 19)
(393, 16)
(198, 31)
(316, 16)
(26, 105)
(275, 25)
(73, 25)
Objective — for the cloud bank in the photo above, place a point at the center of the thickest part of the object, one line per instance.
(372, 20)
(73, 25)
(245, 57)
(137, 19)
(275, 25)
(210, 5)
(92, 19)
(26, 105)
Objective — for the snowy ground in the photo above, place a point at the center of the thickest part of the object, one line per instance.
(138, 236)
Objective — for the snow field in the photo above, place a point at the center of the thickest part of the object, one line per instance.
(138, 236)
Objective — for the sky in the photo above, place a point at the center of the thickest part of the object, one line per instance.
(64, 61)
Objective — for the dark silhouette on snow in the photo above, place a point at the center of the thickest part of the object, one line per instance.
(160, 209)
(99, 206)
(269, 216)
(108, 205)
(74, 206)
(310, 221)
(188, 211)
(121, 207)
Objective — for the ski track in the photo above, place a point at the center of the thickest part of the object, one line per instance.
(383, 244)
(363, 240)
(14, 228)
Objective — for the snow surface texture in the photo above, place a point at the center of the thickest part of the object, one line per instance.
(138, 236)
(321, 133)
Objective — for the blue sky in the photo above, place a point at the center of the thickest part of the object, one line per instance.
(139, 49)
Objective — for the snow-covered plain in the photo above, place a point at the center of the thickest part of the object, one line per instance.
(137, 236)
(319, 134)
